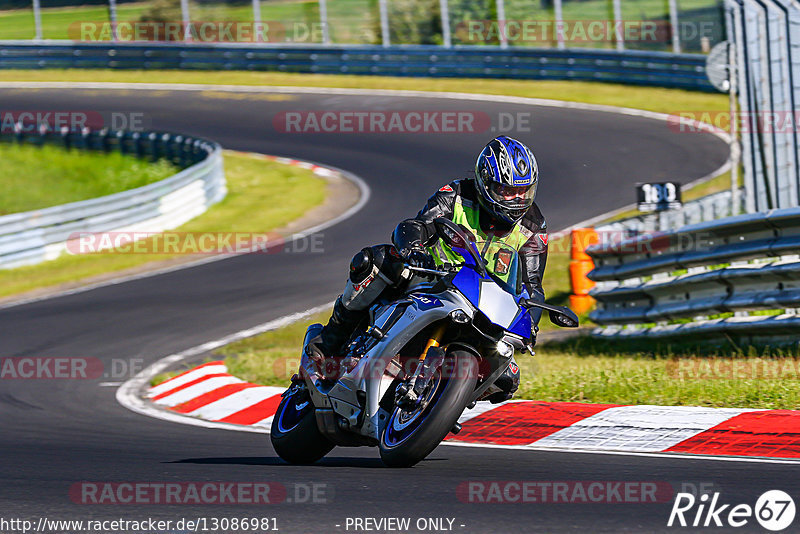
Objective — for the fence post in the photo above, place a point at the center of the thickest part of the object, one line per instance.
(618, 35)
(186, 20)
(673, 22)
(445, 15)
(323, 19)
(256, 11)
(559, 24)
(112, 18)
(37, 20)
(733, 89)
(384, 15)
(501, 23)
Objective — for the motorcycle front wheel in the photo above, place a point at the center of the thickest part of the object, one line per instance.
(411, 435)
(294, 433)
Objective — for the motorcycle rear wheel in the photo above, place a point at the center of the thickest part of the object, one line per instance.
(294, 433)
(411, 436)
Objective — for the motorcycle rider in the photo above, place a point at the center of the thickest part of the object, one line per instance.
(498, 202)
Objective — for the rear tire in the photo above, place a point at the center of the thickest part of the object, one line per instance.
(411, 436)
(294, 434)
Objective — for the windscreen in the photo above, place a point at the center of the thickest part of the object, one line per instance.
(502, 262)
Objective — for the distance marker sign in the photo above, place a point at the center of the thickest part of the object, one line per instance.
(659, 196)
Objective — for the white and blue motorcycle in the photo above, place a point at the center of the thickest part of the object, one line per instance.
(404, 380)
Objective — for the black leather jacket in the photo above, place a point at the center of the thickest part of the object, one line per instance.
(420, 231)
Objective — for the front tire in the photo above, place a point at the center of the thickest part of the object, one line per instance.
(294, 433)
(411, 436)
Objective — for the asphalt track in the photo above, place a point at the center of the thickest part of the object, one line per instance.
(56, 433)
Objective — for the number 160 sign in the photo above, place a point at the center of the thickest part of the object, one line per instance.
(658, 197)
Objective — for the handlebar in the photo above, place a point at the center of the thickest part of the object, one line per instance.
(422, 270)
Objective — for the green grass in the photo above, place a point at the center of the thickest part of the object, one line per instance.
(587, 370)
(349, 19)
(56, 22)
(68, 176)
(648, 98)
(250, 206)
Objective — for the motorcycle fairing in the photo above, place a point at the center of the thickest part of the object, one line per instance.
(343, 396)
(499, 306)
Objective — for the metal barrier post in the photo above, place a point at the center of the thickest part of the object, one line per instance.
(112, 18)
(37, 19)
(445, 16)
(501, 23)
(559, 24)
(673, 22)
(733, 90)
(384, 14)
(186, 19)
(323, 20)
(620, 38)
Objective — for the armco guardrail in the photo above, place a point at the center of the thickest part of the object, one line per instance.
(631, 66)
(718, 277)
(34, 236)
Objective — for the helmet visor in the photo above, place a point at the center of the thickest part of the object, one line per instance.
(512, 196)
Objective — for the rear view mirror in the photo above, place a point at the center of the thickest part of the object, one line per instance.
(460, 240)
(565, 318)
(559, 315)
(450, 233)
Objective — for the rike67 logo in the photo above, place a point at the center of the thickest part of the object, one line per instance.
(774, 510)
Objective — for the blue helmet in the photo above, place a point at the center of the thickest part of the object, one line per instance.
(506, 176)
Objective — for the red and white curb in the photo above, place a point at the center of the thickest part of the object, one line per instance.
(208, 392)
(319, 170)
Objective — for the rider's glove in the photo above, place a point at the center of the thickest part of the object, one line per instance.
(417, 257)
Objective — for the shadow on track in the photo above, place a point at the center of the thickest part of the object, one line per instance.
(368, 463)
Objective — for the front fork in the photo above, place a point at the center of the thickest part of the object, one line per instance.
(407, 395)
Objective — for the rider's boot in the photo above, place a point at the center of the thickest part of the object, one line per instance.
(329, 343)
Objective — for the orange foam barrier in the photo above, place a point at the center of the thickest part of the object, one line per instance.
(580, 240)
